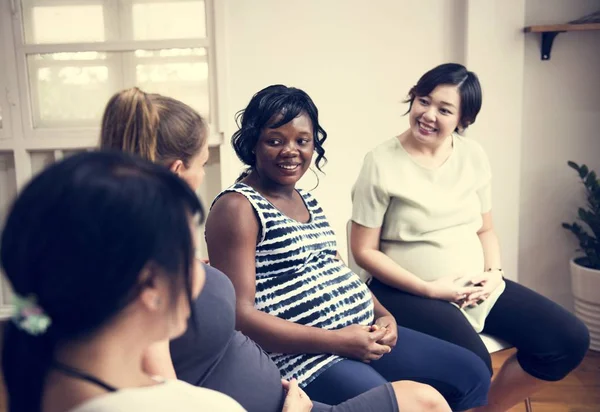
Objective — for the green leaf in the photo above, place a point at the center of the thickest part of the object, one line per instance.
(588, 232)
(590, 180)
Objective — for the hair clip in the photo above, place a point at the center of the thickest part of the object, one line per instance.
(29, 316)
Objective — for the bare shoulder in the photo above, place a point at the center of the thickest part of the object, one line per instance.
(231, 212)
(230, 207)
(231, 203)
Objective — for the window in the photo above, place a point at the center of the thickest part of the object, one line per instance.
(71, 89)
(63, 59)
(73, 55)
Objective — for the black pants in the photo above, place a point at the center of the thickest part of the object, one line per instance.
(550, 341)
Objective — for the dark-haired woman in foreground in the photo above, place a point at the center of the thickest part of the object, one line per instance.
(295, 297)
(99, 250)
(211, 353)
(423, 229)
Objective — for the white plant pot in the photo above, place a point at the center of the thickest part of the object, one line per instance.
(586, 291)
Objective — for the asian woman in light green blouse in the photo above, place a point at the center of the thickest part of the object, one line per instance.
(423, 231)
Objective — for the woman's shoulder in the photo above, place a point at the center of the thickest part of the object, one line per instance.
(234, 194)
(214, 272)
(193, 397)
(307, 196)
(170, 395)
(217, 283)
(233, 215)
(471, 150)
(468, 145)
(385, 149)
(233, 201)
(385, 155)
(380, 161)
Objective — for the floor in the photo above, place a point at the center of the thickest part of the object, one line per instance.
(579, 392)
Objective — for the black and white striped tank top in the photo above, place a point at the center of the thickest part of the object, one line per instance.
(299, 279)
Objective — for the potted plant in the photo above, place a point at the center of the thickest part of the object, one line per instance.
(585, 269)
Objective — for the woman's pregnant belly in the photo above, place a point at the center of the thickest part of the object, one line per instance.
(248, 375)
(430, 261)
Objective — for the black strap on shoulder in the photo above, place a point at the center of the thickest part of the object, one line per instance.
(79, 374)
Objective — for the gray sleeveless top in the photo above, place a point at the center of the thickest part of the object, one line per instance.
(212, 354)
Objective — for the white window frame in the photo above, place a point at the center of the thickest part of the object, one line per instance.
(83, 137)
(5, 129)
(19, 137)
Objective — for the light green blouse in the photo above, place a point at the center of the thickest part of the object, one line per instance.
(429, 218)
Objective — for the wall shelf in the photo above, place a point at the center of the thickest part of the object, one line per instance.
(550, 31)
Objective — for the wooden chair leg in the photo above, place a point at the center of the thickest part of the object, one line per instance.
(528, 407)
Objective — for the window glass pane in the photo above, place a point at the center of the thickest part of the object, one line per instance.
(59, 21)
(177, 19)
(71, 89)
(48, 21)
(178, 73)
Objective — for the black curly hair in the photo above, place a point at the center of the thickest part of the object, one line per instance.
(273, 107)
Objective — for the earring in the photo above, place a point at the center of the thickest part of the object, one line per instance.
(317, 176)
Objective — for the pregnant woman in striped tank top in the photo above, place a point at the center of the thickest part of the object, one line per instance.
(211, 354)
(295, 297)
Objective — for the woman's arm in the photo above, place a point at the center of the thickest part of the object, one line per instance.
(157, 361)
(364, 243)
(379, 309)
(489, 243)
(231, 233)
(492, 274)
(386, 321)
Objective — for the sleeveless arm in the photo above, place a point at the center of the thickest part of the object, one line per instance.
(232, 230)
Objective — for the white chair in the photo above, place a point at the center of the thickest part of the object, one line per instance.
(491, 343)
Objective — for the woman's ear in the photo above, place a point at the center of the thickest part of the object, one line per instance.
(153, 289)
(177, 167)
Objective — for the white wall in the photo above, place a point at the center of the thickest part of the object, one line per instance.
(209, 189)
(356, 59)
(494, 50)
(561, 112)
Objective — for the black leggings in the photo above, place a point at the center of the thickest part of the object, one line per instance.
(550, 341)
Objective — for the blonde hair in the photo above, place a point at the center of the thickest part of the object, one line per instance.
(157, 128)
